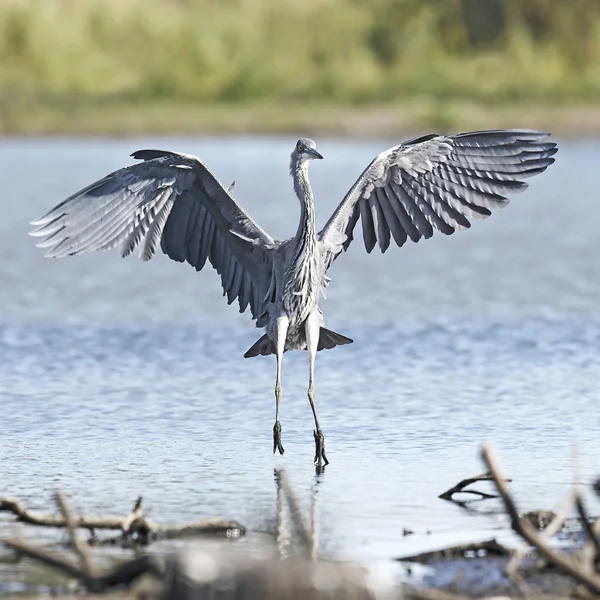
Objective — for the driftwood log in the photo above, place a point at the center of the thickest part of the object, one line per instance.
(487, 547)
(134, 525)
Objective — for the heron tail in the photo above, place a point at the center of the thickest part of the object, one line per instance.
(264, 346)
(327, 339)
(330, 339)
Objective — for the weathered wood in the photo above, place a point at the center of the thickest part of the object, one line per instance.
(581, 572)
(79, 548)
(133, 523)
(24, 515)
(461, 485)
(548, 531)
(124, 574)
(591, 529)
(489, 546)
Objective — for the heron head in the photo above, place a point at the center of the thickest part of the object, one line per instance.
(306, 149)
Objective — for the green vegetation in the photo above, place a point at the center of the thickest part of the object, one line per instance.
(242, 65)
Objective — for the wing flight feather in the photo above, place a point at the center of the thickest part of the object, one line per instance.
(174, 201)
(435, 182)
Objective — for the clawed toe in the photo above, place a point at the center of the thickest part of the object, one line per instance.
(277, 445)
(320, 457)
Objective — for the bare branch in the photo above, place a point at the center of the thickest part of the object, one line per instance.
(78, 546)
(52, 559)
(25, 516)
(123, 574)
(525, 530)
(461, 485)
(135, 522)
(589, 528)
(553, 528)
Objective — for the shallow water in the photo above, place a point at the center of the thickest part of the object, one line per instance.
(120, 378)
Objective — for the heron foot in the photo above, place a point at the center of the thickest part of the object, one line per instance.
(320, 457)
(277, 445)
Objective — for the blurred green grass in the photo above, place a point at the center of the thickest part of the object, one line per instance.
(243, 65)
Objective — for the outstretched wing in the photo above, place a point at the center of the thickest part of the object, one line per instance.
(435, 181)
(174, 200)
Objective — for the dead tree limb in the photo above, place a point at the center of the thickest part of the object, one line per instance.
(594, 541)
(134, 523)
(126, 573)
(564, 562)
(490, 547)
(214, 526)
(24, 515)
(123, 574)
(52, 559)
(461, 485)
(515, 562)
(79, 548)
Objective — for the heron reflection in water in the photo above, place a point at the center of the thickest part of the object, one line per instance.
(172, 200)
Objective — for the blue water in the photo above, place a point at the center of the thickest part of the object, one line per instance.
(120, 378)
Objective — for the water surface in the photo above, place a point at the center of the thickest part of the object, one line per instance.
(120, 378)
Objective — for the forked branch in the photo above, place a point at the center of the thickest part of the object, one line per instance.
(83, 572)
(461, 485)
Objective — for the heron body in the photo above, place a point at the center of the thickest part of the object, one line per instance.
(172, 200)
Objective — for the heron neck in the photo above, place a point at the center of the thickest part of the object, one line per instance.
(306, 227)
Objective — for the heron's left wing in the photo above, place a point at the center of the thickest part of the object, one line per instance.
(435, 181)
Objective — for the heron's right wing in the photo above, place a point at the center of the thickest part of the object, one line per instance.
(174, 200)
(435, 181)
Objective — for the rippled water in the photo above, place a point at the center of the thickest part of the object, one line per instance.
(120, 378)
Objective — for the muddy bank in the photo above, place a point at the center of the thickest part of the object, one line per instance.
(112, 118)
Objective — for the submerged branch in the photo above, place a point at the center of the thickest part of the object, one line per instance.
(461, 485)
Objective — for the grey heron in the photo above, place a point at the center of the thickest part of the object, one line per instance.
(172, 199)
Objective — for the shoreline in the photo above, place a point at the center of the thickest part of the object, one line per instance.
(114, 119)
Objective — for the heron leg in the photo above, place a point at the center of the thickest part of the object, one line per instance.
(312, 330)
(281, 327)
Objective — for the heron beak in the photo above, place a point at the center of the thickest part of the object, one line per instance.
(316, 154)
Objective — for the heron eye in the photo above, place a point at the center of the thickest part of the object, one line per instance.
(300, 148)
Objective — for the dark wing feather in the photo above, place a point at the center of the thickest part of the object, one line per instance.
(173, 200)
(436, 182)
